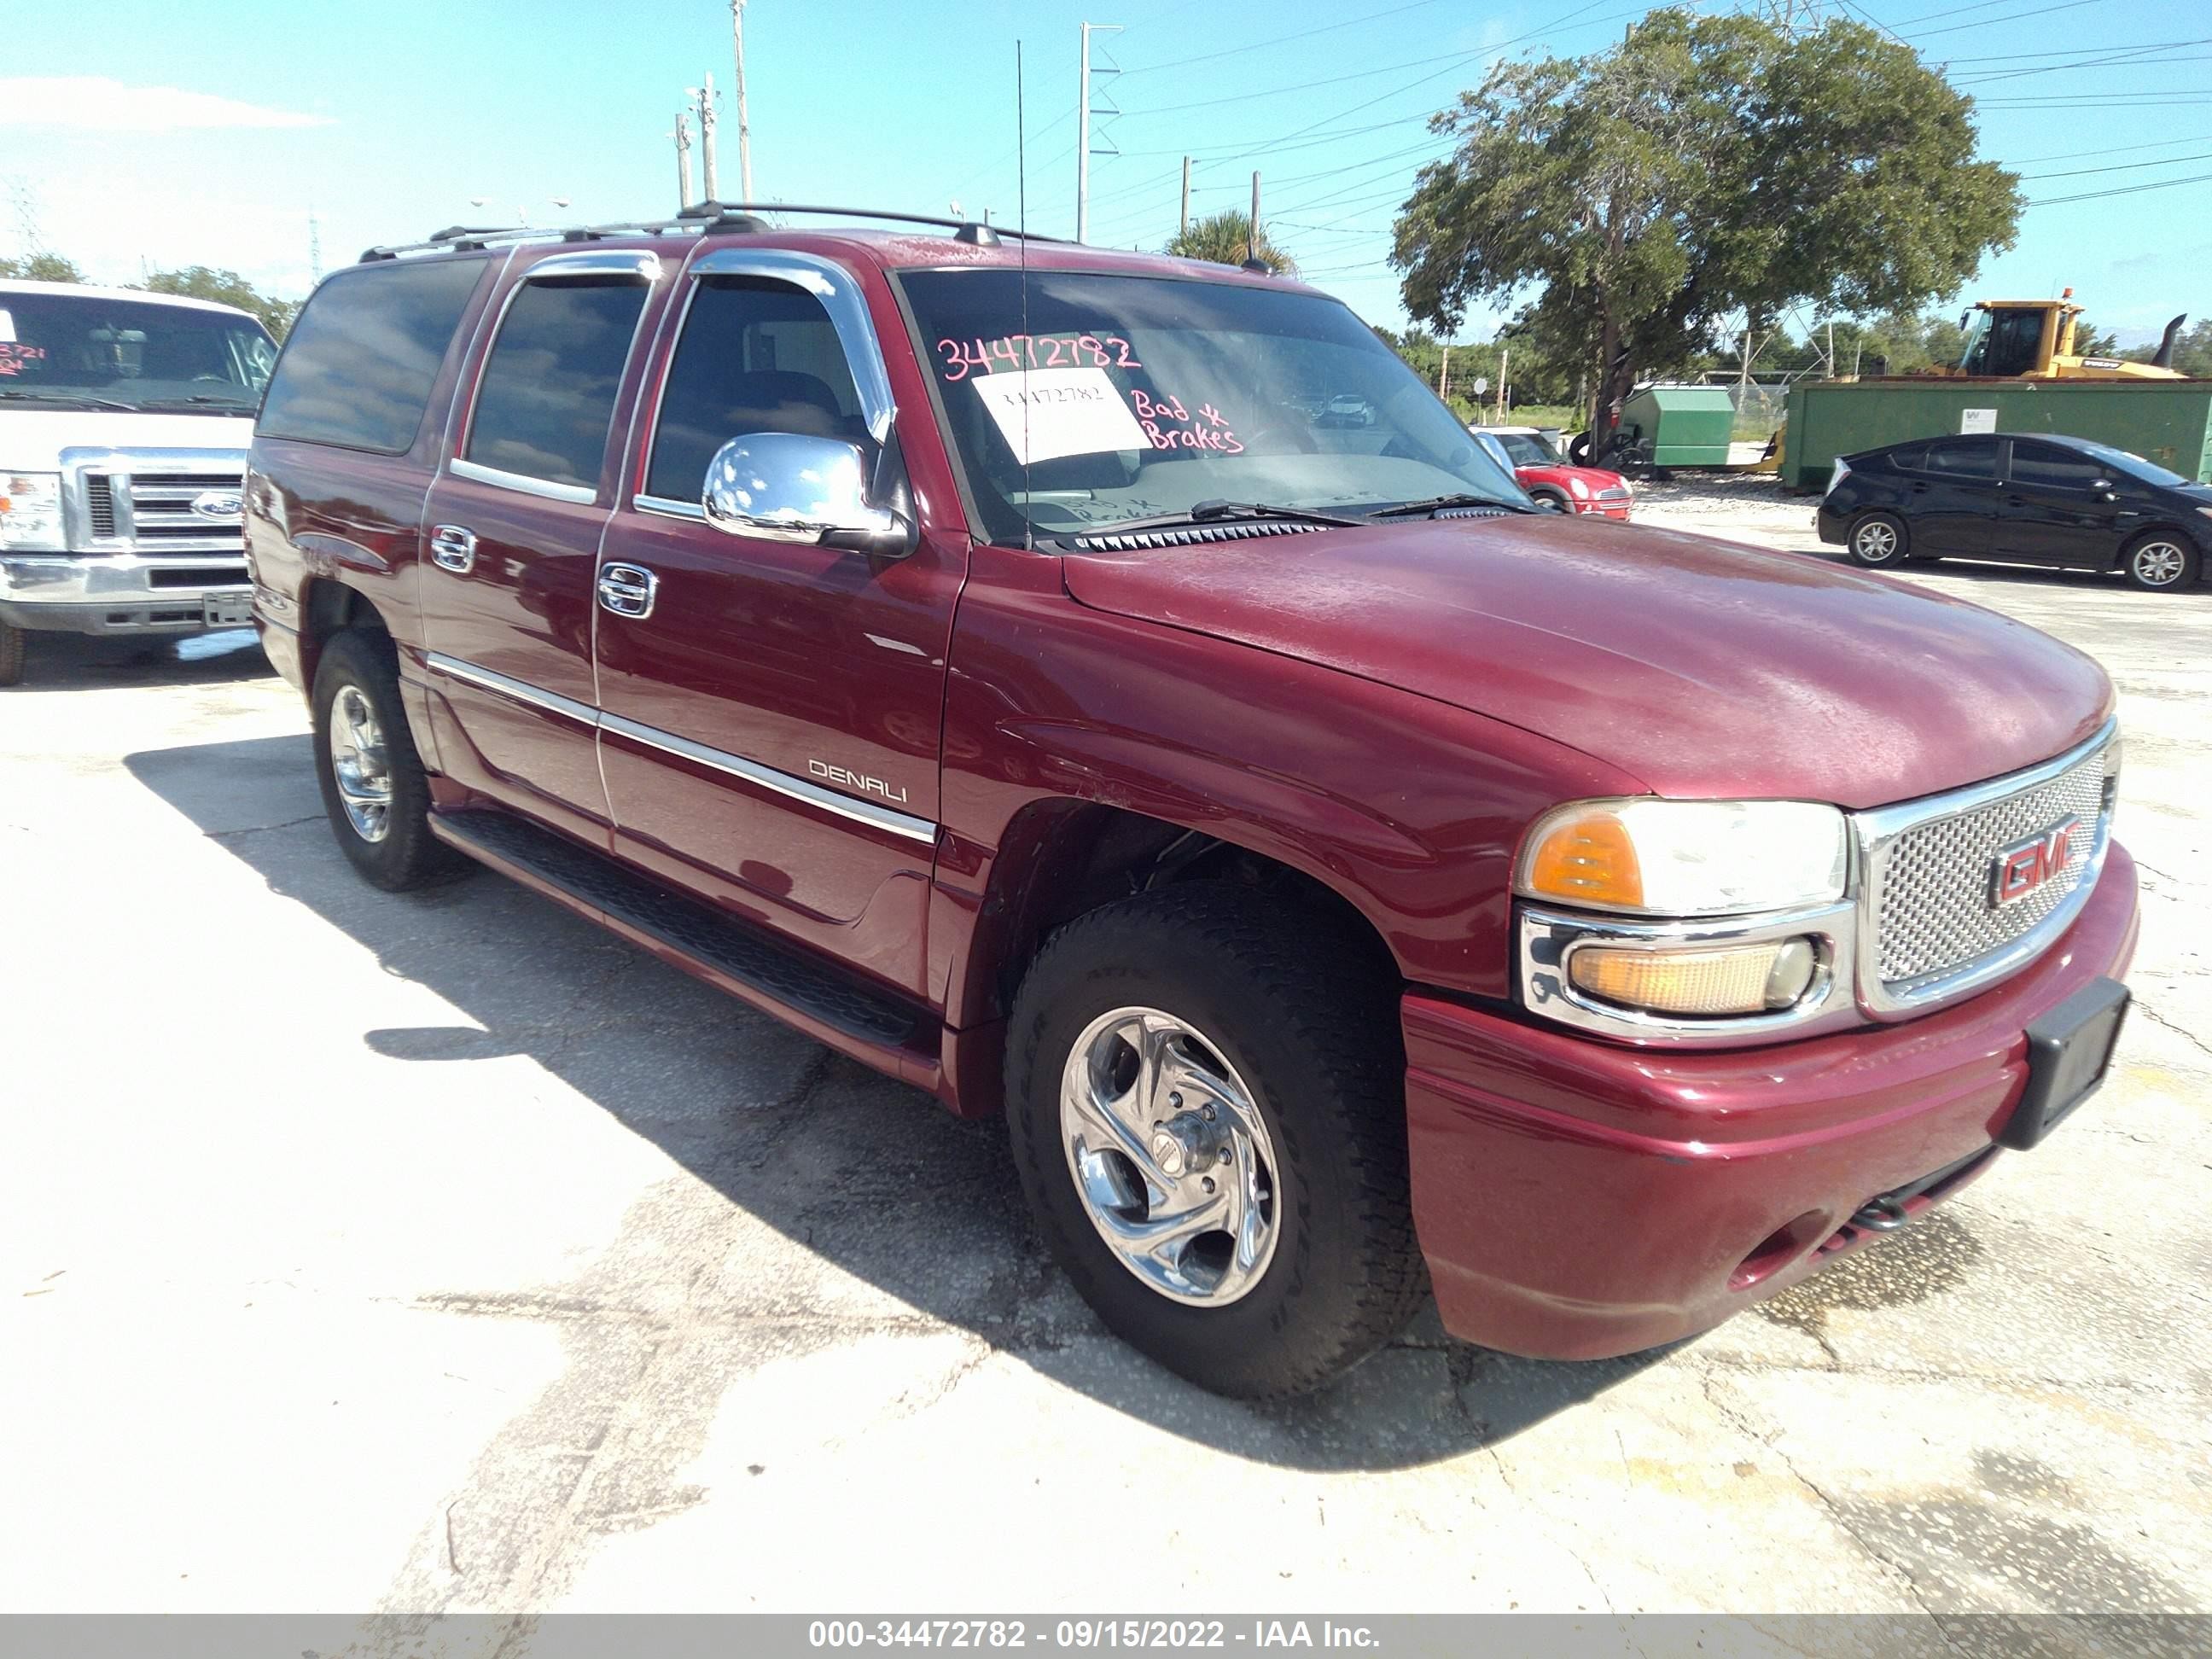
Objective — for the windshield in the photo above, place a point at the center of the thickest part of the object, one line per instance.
(1141, 397)
(1528, 449)
(2006, 342)
(2135, 466)
(92, 350)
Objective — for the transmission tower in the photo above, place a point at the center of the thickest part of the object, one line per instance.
(1796, 17)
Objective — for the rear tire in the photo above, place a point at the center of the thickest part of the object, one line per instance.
(12, 642)
(1879, 540)
(1285, 1042)
(2161, 562)
(374, 788)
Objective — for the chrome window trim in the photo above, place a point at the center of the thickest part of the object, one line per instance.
(521, 482)
(1548, 937)
(661, 504)
(881, 817)
(1875, 835)
(520, 690)
(904, 824)
(839, 292)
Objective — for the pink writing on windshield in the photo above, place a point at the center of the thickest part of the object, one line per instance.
(1168, 425)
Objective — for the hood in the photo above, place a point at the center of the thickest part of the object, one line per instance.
(33, 435)
(1702, 667)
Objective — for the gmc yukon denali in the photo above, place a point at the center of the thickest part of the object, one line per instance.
(122, 433)
(1349, 880)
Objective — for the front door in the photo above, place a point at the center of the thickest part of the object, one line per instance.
(771, 721)
(2055, 511)
(511, 531)
(1952, 505)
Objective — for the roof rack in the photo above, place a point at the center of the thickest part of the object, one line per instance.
(708, 218)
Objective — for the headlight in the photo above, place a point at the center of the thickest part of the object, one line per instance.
(1580, 489)
(1650, 857)
(31, 512)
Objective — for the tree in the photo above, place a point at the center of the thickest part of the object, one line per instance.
(229, 288)
(2089, 343)
(42, 268)
(1224, 239)
(1704, 170)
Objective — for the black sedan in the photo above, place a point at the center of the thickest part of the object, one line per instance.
(2021, 498)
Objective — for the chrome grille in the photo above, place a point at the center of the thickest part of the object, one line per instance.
(99, 505)
(162, 520)
(1935, 917)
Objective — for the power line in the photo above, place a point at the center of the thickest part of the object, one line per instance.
(2117, 149)
(2120, 166)
(1278, 41)
(2125, 189)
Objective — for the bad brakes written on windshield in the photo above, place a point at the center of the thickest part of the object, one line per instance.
(1103, 399)
(89, 348)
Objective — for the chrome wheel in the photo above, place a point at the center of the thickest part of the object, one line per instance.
(2157, 564)
(357, 762)
(1875, 542)
(1170, 1157)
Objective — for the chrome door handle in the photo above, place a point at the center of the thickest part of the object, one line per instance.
(627, 590)
(453, 547)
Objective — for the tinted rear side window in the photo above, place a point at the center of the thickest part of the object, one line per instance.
(358, 369)
(2043, 464)
(548, 395)
(755, 356)
(1963, 458)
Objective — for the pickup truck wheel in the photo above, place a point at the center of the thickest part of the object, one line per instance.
(11, 654)
(1878, 538)
(1207, 1112)
(374, 786)
(2161, 562)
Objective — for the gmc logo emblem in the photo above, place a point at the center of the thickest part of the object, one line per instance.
(2025, 865)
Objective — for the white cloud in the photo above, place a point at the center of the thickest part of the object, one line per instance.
(96, 103)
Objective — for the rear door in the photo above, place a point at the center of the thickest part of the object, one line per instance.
(512, 526)
(1951, 498)
(771, 724)
(2055, 511)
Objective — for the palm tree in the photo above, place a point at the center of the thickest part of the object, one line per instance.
(1226, 238)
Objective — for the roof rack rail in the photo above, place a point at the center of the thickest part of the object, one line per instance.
(708, 218)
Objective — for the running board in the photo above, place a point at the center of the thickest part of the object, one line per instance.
(728, 953)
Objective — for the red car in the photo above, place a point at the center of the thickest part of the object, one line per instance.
(1552, 481)
(1347, 878)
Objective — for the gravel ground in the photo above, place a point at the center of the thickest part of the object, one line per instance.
(440, 1252)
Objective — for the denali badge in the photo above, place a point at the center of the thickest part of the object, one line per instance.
(224, 505)
(865, 785)
(2020, 868)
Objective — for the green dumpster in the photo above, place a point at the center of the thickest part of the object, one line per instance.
(1678, 426)
(2168, 421)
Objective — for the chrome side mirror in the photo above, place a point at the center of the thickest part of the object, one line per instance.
(794, 487)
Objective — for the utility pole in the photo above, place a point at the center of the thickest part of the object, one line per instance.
(1252, 229)
(683, 136)
(1743, 374)
(705, 95)
(744, 131)
(314, 247)
(1182, 220)
(1083, 131)
(1444, 375)
(1504, 359)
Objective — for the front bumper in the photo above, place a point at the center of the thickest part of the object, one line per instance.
(1576, 1200)
(117, 592)
(1593, 509)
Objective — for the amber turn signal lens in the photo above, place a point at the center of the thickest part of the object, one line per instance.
(1732, 978)
(1587, 860)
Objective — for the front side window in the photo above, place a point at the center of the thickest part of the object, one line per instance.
(755, 355)
(2113, 460)
(90, 351)
(2045, 464)
(547, 398)
(358, 369)
(1096, 400)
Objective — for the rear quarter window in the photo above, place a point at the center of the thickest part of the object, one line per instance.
(361, 360)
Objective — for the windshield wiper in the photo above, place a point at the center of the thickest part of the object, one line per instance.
(201, 400)
(1437, 503)
(1221, 511)
(83, 398)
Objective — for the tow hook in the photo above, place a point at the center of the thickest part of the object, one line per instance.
(1880, 1215)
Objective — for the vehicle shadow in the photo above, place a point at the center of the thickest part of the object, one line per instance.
(870, 1176)
(2031, 576)
(82, 662)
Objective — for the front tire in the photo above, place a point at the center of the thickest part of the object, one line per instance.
(1206, 1102)
(12, 642)
(2159, 562)
(1551, 500)
(1879, 540)
(374, 788)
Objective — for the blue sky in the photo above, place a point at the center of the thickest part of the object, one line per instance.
(173, 135)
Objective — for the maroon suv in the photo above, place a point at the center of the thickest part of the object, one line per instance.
(1347, 879)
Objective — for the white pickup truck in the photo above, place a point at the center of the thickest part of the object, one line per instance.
(124, 418)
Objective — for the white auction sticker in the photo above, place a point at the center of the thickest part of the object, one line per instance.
(1046, 412)
(1977, 420)
(7, 329)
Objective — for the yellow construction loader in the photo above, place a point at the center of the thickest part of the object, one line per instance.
(2033, 339)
